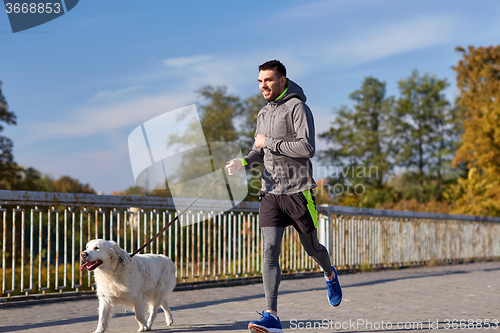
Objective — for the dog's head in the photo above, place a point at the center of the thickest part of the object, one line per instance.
(102, 252)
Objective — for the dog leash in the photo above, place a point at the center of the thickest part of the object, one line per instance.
(177, 217)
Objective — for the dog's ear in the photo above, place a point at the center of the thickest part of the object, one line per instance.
(120, 254)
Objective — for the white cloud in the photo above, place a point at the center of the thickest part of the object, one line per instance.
(394, 38)
(190, 60)
(116, 95)
(380, 41)
(338, 43)
(98, 119)
(317, 9)
(201, 70)
(111, 110)
(114, 109)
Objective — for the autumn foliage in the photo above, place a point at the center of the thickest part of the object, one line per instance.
(478, 78)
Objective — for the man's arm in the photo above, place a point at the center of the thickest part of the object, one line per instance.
(303, 124)
(254, 158)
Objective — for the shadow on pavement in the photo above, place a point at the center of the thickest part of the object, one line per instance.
(229, 327)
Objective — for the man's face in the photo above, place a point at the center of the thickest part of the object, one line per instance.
(271, 84)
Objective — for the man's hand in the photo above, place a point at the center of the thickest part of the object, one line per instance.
(259, 140)
(233, 167)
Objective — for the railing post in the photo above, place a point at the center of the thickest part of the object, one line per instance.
(325, 228)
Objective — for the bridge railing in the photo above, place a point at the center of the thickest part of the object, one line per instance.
(42, 235)
(359, 237)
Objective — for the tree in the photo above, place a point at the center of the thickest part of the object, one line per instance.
(361, 139)
(64, 184)
(475, 195)
(218, 114)
(8, 168)
(478, 79)
(426, 129)
(28, 179)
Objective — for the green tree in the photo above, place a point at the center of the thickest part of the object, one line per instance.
(139, 191)
(218, 112)
(363, 136)
(361, 139)
(221, 112)
(28, 179)
(64, 184)
(426, 128)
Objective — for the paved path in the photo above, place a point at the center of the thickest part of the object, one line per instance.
(406, 296)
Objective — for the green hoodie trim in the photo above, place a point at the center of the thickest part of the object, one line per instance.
(284, 91)
(243, 161)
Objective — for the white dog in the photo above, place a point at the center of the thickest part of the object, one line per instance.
(145, 279)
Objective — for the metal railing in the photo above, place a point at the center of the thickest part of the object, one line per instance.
(373, 237)
(43, 234)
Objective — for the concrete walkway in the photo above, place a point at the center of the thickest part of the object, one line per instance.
(418, 298)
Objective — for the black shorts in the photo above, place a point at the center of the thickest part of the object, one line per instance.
(298, 210)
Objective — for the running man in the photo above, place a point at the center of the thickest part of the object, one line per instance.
(285, 143)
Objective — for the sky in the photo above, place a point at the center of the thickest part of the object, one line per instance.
(81, 83)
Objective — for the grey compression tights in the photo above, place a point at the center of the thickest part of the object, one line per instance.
(271, 273)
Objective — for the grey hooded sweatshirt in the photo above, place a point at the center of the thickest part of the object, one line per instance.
(289, 126)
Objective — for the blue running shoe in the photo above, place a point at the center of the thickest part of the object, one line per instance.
(334, 290)
(267, 323)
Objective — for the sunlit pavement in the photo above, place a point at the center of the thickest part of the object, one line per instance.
(415, 299)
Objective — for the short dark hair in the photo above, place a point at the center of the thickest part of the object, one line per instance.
(273, 65)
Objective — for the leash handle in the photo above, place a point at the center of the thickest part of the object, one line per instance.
(177, 217)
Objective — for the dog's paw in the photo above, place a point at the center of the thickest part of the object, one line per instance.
(143, 328)
(170, 321)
